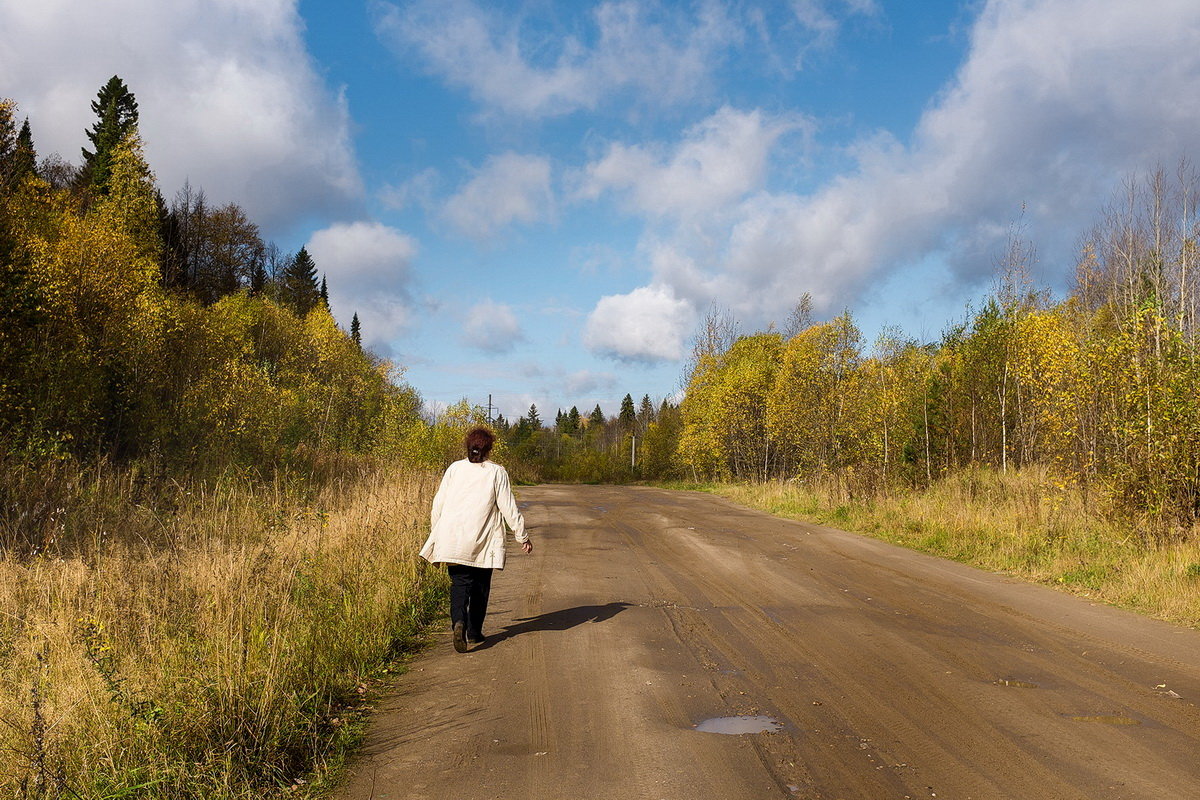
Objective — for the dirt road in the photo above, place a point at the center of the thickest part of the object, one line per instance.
(894, 675)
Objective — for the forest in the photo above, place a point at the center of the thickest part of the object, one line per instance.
(1098, 388)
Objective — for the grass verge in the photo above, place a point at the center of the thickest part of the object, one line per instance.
(228, 655)
(1019, 523)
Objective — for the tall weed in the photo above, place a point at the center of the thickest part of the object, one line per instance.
(208, 644)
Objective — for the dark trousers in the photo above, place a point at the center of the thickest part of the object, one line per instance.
(469, 590)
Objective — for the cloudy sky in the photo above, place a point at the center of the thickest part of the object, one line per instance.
(539, 200)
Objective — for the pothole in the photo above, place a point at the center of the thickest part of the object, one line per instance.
(740, 724)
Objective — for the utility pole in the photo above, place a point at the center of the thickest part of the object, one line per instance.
(489, 409)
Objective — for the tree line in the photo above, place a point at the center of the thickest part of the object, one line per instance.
(134, 329)
(1100, 386)
(637, 443)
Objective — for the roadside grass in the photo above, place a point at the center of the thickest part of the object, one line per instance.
(224, 650)
(1021, 523)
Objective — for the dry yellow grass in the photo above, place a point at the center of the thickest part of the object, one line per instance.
(217, 661)
(1022, 523)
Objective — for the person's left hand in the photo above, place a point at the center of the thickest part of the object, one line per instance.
(527, 546)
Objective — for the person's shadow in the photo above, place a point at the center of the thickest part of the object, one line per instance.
(561, 620)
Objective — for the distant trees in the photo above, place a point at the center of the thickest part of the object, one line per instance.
(210, 253)
(627, 416)
(1099, 387)
(595, 448)
(18, 158)
(130, 329)
(645, 413)
(298, 285)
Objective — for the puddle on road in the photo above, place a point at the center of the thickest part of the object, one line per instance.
(739, 725)
(1108, 719)
(1017, 684)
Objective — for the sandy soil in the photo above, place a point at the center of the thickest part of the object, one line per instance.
(643, 613)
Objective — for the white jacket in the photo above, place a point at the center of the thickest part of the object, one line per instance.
(467, 511)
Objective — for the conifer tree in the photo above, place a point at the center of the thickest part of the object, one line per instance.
(596, 420)
(258, 278)
(356, 330)
(300, 290)
(627, 416)
(573, 420)
(18, 159)
(324, 291)
(117, 114)
(24, 163)
(645, 412)
(535, 421)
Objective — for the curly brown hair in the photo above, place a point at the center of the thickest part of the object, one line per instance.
(479, 443)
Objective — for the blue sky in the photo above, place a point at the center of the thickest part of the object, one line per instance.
(540, 200)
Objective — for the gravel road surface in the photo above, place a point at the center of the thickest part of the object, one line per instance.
(889, 674)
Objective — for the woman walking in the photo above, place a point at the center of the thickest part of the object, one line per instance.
(470, 508)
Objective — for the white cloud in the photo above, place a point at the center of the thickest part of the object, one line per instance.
(492, 327)
(1055, 102)
(416, 191)
(720, 160)
(508, 188)
(663, 54)
(228, 96)
(368, 265)
(585, 381)
(648, 325)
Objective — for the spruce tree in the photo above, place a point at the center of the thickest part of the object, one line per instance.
(356, 330)
(596, 420)
(17, 156)
(535, 421)
(324, 291)
(300, 290)
(627, 417)
(116, 115)
(645, 412)
(24, 157)
(258, 278)
(573, 420)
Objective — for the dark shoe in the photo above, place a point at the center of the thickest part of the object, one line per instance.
(475, 638)
(460, 638)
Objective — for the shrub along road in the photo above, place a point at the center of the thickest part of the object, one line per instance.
(643, 613)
